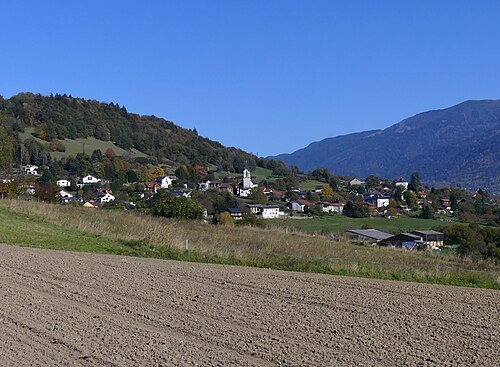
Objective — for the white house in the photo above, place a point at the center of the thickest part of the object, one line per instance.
(356, 181)
(204, 186)
(31, 169)
(265, 211)
(165, 181)
(63, 183)
(377, 200)
(242, 192)
(336, 208)
(300, 205)
(107, 198)
(89, 179)
(65, 194)
(401, 182)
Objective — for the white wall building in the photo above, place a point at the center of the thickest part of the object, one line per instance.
(107, 198)
(63, 183)
(165, 181)
(31, 169)
(89, 179)
(265, 211)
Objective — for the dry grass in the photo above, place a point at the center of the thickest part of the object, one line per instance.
(262, 247)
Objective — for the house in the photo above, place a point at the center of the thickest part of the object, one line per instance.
(407, 241)
(151, 186)
(225, 187)
(332, 208)
(367, 235)
(64, 194)
(102, 191)
(401, 182)
(432, 239)
(181, 193)
(265, 211)
(273, 194)
(377, 200)
(235, 213)
(204, 186)
(242, 192)
(165, 181)
(88, 204)
(300, 205)
(76, 199)
(88, 180)
(355, 182)
(31, 169)
(318, 189)
(63, 183)
(444, 206)
(106, 198)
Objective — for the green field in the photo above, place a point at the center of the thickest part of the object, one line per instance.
(310, 184)
(258, 175)
(80, 145)
(127, 233)
(340, 223)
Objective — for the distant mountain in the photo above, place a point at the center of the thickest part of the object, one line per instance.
(457, 146)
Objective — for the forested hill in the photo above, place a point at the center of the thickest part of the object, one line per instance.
(58, 117)
(456, 146)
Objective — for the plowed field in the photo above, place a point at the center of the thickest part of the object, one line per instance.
(63, 308)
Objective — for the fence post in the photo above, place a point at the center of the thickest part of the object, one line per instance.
(187, 245)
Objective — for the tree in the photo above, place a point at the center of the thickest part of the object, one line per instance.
(372, 181)
(179, 208)
(47, 192)
(225, 219)
(131, 176)
(6, 149)
(415, 184)
(327, 191)
(355, 210)
(411, 199)
(258, 196)
(427, 212)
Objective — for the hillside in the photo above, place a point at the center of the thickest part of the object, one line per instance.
(76, 121)
(454, 146)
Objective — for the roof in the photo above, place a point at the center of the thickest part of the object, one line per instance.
(370, 233)
(412, 235)
(234, 210)
(263, 206)
(428, 232)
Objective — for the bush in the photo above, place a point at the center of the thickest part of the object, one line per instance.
(180, 208)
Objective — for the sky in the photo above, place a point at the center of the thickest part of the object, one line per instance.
(266, 76)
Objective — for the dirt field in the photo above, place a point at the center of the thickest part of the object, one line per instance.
(61, 308)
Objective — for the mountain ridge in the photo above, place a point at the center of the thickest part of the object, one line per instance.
(430, 142)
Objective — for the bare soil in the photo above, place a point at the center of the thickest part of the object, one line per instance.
(73, 309)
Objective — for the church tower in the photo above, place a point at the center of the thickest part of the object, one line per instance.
(247, 179)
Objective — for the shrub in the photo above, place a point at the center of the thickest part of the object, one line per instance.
(180, 208)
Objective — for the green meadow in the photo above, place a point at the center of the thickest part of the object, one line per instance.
(59, 227)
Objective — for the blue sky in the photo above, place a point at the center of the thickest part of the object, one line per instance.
(266, 76)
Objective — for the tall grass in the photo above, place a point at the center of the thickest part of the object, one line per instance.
(270, 248)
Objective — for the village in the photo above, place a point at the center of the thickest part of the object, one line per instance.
(245, 199)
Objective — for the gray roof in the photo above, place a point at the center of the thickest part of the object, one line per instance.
(428, 232)
(370, 233)
(412, 235)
